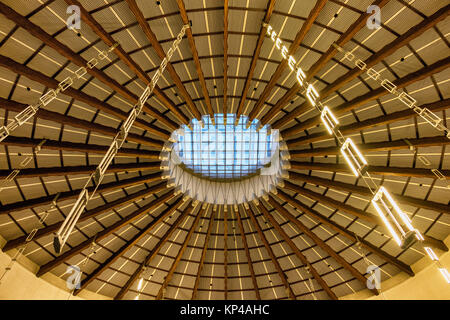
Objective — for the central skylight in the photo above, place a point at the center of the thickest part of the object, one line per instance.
(224, 151)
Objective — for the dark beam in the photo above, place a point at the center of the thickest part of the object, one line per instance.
(322, 244)
(366, 216)
(372, 147)
(75, 94)
(247, 253)
(160, 52)
(297, 252)
(66, 52)
(198, 66)
(225, 60)
(177, 260)
(78, 123)
(274, 259)
(323, 60)
(132, 242)
(370, 123)
(306, 26)
(66, 195)
(359, 101)
(385, 171)
(14, 243)
(148, 208)
(225, 250)
(153, 253)
(202, 259)
(346, 187)
(344, 232)
(259, 42)
(12, 141)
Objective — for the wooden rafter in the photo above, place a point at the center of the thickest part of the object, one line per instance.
(247, 253)
(14, 243)
(198, 66)
(373, 147)
(153, 253)
(225, 250)
(74, 170)
(177, 260)
(36, 202)
(359, 101)
(344, 232)
(430, 205)
(370, 123)
(104, 233)
(133, 241)
(269, 250)
(69, 54)
(77, 147)
(41, 78)
(225, 60)
(161, 54)
(351, 210)
(78, 123)
(259, 42)
(202, 259)
(389, 49)
(386, 171)
(297, 252)
(322, 244)
(306, 26)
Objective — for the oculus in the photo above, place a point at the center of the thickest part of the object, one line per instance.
(224, 162)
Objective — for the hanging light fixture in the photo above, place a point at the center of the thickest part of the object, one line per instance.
(329, 120)
(397, 222)
(354, 158)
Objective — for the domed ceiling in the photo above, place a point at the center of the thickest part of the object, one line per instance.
(315, 234)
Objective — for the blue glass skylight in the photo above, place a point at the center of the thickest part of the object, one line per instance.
(224, 151)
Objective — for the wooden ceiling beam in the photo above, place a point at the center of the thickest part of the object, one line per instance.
(69, 54)
(306, 26)
(203, 257)
(153, 253)
(14, 243)
(168, 277)
(359, 101)
(161, 54)
(373, 147)
(225, 250)
(388, 49)
(125, 58)
(78, 123)
(322, 244)
(370, 123)
(247, 253)
(344, 232)
(148, 208)
(75, 170)
(198, 66)
(66, 195)
(366, 216)
(385, 171)
(259, 42)
(323, 60)
(12, 141)
(41, 78)
(274, 259)
(225, 60)
(132, 242)
(346, 187)
(294, 248)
